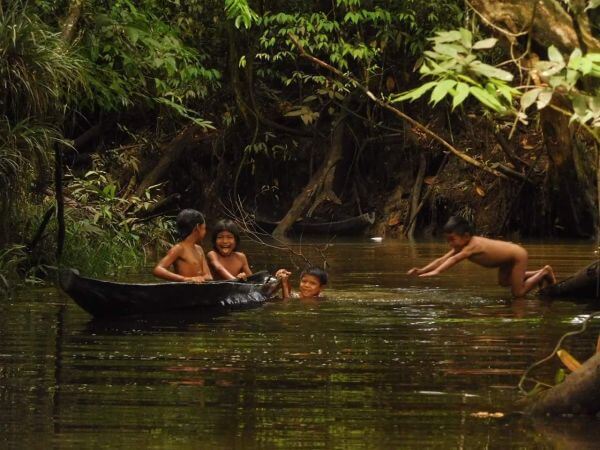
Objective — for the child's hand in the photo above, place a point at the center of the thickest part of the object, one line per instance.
(242, 276)
(282, 274)
(198, 279)
(413, 271)
(429, 274)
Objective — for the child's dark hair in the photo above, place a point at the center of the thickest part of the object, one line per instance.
(187, 220)
(226, 225)
(316, 272)
(459, 225)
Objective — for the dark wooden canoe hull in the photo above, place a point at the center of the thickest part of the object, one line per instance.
(353, 225)
(107, 298)
(582, 285)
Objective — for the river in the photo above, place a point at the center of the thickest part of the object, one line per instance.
(385, 361)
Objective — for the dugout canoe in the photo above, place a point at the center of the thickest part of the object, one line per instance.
(353, 225)
(103, 298)
(582, 285)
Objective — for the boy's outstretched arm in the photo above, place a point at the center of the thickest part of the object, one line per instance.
(432, 265)
(205, 269)
(161, 270)
(445, 265)
(284, 276)
(246, 269)
(218, 267)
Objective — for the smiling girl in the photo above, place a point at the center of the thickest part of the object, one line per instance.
(225, 262)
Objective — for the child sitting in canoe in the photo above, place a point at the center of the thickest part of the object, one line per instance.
(312, 282)
(186, 257)
(225, 262)
(509, 258)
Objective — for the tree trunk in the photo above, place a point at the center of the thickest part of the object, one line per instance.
(578, 394)
(415, 197)
(234, 76)
(318, 182)
(70, 23)
(172, 152)
(551, 25)
(572, 177)
(573, 190)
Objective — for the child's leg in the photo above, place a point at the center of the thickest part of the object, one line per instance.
(521, 280)
(549, 277)
(531, 273)
(521, 284)
(504, 273)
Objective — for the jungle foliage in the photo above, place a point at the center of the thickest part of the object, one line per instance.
(210, 99)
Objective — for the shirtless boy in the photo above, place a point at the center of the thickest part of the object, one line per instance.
(186, 257)
(312, 282)
(225, 262)
(509, 258)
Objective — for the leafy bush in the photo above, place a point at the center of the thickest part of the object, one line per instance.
(104, 233)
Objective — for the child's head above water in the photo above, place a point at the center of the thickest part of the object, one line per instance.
(458, 232)
(312, 282)
(188, 220)
(225, 237)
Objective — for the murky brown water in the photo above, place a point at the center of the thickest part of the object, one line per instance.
(386, 361)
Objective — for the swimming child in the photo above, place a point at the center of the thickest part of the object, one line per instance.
(225, 262)
(312, 282)
(509, 258)
(186, 257)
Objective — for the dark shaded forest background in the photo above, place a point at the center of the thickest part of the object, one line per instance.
(131, 110)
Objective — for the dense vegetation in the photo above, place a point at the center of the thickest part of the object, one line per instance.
(152, 105)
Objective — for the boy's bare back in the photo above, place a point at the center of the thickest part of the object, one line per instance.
(491, 252)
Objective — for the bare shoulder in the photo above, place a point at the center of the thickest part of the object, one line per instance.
(475, 245)
(241, 255)
(211, 254)
(199, 248)
(177, 249)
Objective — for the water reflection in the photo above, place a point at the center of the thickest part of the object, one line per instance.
(386, 361)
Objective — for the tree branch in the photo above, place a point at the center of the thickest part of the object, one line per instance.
(396, 111)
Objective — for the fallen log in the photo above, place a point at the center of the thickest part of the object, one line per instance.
(579, 394)
(584, 284)
(351, 226)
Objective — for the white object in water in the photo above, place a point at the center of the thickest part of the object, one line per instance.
(377, 239)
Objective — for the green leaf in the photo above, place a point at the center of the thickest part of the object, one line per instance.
(447, 36)
(486, 98)
(415, 93)
(549, 68)
(461, 93)
(507, 92)
(555, 55)
(529, 98)
(448, 49)
(441, 90)
(485, 44)
(592, 4)
(490, 71)
(466, 37)
(544, 98)
(574, 59)
(579, 105)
